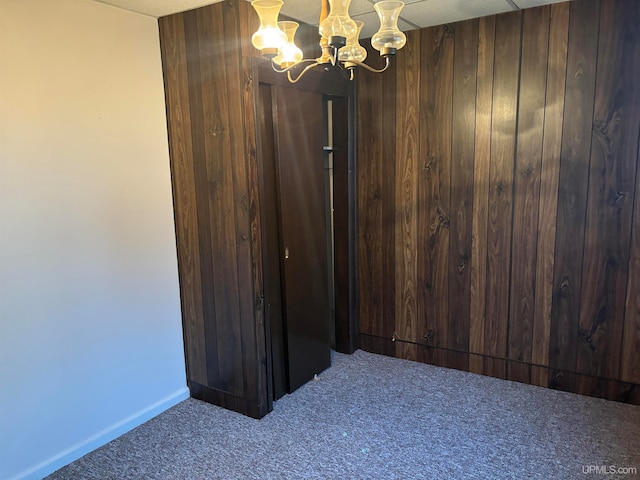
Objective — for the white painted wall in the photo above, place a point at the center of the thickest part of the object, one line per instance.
(90, 335)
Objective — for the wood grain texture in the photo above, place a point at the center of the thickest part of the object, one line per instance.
(531, 113)
(244, 193)
(611, 191)
(223, 185)
(256, 379)
(218, 185)
(436, 101)
(369, 199)
(552, 214)
(572, 189)
(388, 194)
(240, 175)
(248, 24)
(503, 144)
(406, 189)
(630, 361)
(554, 106)
(211, 78)
(376, 206)
(480, 214)
(253, 325)
(201, 194)
(461, 192)
(176, 80)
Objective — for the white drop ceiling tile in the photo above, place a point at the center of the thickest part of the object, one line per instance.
(433, 12)
(404, 26)
(358, 7)
(422, 13)
(371, 24)
(534, 3)
(158, 8)
(307, 12)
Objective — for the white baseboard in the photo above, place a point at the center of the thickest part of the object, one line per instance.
(101, 438)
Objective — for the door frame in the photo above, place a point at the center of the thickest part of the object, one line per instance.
(333, 85)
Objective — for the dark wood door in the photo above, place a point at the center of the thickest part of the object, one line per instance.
(301, 185)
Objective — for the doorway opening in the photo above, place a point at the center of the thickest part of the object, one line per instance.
(304, 137)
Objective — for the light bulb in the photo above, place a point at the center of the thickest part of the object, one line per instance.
(388, 37)
(269, 38)
(353, 51)
(289, 54)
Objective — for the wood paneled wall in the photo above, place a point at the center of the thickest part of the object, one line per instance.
(212, 75)
(211, 101)
(499, 198)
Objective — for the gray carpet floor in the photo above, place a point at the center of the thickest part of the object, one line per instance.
(375, 417)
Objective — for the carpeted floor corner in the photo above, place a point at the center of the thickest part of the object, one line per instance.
(375, 417)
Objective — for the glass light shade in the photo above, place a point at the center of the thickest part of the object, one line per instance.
(388, 36)
(288, 54)
(338, 23)
(353, 51)
(268, 37)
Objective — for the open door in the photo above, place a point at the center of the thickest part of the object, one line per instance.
(308, 228)
(304, 275)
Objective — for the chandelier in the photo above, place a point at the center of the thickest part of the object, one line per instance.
(339, 38)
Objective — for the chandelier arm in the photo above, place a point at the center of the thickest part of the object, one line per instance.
(346, 72)
(387, 61)
(333, 58)
(306, 69)
(283, 70)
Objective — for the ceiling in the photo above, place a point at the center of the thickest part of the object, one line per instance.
(416, 13)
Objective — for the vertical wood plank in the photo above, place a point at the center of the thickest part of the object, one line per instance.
(531, 103)
(630, 361)
(407, 151)
(251, 93)
(461, 192)
(503, 134)
(201, 194)
(572, 189)
(249, 23)
(241, 127)
(174, 59)
(369, 196)
(541, 215)
(436, 99)
(388, 176)
(484, 105)
(217, 140)
(554, 106)
(225, 206)
(614, 143)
